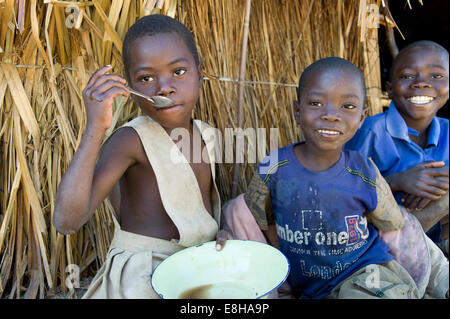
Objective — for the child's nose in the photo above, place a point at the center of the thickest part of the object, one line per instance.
(165, 87)
(420, 83)
(330, 113)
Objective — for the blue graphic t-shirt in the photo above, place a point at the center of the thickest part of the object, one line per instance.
(320, 219)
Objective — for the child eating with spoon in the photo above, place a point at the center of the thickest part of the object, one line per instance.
(164, 206)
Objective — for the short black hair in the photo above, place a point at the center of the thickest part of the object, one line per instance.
(155, 24)
(417, 44)
(330, 63)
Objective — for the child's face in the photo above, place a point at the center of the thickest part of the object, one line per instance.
(163, 65)
(331, 109)
(419, 84)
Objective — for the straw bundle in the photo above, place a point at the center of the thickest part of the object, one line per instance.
(48, 51)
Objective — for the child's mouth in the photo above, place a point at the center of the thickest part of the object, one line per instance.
(168, 109)
(420, 99)
(328, 132)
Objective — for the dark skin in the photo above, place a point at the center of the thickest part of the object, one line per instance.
(161, 65)
(421, 72)
(329, 113)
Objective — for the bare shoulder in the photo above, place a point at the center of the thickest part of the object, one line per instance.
(121, 151)
(123, 136)
(124, 144)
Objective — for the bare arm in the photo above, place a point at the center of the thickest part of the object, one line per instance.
(271, 235)
(84, 185)
(428, 180)
(73, 197)
(426, 191)
(434, 212)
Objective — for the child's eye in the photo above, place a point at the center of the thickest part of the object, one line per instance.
(146, 78)
(349, 106)
(406, 76)
(179, 72)
(316, 104)
(437, 76)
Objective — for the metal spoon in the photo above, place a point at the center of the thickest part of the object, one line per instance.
(156, 100)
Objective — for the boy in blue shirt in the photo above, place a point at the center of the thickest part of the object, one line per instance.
(320, 204)
(409, 143)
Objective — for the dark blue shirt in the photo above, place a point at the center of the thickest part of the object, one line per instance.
(385, 138)
(320, 220)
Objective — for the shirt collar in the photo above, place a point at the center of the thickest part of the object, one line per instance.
(395, 124)
(433, 132)
(397, 127)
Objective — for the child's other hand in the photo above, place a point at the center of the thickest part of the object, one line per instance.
(415, 202)
(428, 180)
(221, 238)
(98, 96)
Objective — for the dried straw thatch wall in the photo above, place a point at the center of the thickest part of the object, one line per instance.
(49, 49)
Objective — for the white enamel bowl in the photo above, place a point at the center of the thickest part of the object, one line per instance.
(241, 270)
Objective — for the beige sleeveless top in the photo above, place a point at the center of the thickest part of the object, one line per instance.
(178, 186)
(132, 258)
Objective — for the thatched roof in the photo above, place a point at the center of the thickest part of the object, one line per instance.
(49, 49)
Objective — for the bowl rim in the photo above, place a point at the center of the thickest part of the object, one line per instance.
(213, 241)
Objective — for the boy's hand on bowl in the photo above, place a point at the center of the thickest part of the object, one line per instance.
(221, 238)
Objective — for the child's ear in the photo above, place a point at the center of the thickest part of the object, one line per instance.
(364, 114)
(389, 89)
(200, 74)
(296, 108)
